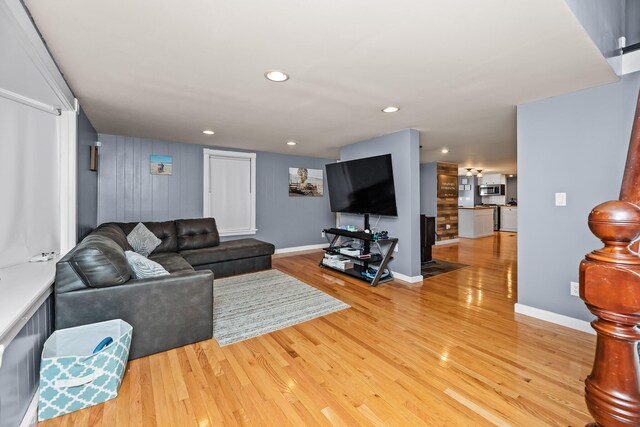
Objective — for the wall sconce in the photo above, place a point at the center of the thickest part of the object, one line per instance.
(469, 173)
(93, 157)
(479, 173)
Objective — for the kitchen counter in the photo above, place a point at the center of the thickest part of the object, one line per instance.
(475, 222)
(475, 207)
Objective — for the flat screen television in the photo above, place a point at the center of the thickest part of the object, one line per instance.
(362, 186)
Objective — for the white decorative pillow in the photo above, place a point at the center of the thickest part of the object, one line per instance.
(142, 240)
(143, 268)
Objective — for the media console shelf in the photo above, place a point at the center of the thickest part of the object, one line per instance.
(379, 258)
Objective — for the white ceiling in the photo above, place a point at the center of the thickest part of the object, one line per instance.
(169, 69)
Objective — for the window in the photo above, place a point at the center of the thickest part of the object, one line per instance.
(229, 191)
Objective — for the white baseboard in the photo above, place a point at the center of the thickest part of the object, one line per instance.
(31, 416)
(447, 242)
(408, 279)
(558, 319)
(301, 248)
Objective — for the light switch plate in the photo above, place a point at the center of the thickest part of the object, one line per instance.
(574, 289)
(561, 199)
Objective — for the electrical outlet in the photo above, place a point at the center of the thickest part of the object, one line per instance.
(396, 248)
(574, 289)
(447, 227)
(561, 199)
(322, 233)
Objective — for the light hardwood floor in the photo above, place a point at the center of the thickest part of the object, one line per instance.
(449, 351)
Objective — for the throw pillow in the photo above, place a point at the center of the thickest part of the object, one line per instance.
(142, 240)
(143, 268)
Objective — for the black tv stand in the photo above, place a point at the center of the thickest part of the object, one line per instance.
(377, 259)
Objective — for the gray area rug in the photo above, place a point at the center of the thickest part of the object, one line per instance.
(254, 304)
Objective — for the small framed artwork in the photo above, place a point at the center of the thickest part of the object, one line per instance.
(464, 181)
(460, 187)
(161, 165)
(306, 182)
(467, 187)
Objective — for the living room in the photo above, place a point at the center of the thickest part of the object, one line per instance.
(206, 140)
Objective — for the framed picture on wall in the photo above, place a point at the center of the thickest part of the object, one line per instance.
(306, 182)
(161, 165)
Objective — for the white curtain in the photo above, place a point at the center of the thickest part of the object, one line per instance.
(29, 183)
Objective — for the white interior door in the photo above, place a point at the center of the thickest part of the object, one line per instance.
(230, 189)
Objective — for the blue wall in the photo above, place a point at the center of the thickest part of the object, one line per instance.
(575, 143)
(20, 372)
(604, 21)
(128, 192)
(404, 149)
(87, 180)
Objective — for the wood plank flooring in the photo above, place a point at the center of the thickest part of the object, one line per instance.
(447, 352)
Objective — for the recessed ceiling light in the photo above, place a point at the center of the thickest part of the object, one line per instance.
(390, 109)
(292, 143)
(510, 176)
(208, 132)
(444, 150)
(276, 76)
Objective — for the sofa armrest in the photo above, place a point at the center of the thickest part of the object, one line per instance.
(165, 312)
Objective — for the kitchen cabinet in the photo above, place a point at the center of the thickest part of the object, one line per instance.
(508, 218)
(493, 179)
(475, 222)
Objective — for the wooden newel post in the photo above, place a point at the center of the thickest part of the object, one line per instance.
(610, 287)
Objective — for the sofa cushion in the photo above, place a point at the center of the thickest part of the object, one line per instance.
(165, 231)
(99, 261)
(142, 240)
(231, 250)
(144, 268)
(171, 261)
(115, 233)
(197, 233)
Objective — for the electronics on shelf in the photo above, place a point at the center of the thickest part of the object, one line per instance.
(358, 254)
(45, 256)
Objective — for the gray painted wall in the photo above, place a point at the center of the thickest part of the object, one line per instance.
(575, 143)
(128, 192)
(604, 21)
(512, 189)
(632, 26)
(404, 149)
(20, 372)
(87, 180)
(429, 189)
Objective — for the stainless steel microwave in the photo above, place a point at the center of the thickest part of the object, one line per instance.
(491, 190)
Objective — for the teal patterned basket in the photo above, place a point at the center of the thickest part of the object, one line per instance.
(72, 377)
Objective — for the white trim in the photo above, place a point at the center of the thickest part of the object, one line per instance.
(558, 319)
(631, 62)
(31, 416)
(206, 188)
(450, 241)
(67, 136)
(14, 328)
(29, 102)
(301, 248)
(36, 50)
(408, 279)
(237, 232)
